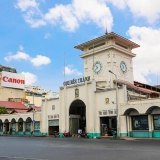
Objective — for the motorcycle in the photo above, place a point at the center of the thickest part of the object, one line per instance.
(66, 134)
(56, 134)
(83, 135)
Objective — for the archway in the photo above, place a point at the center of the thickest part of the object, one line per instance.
(28, 124)
(1, 126)
(13, 125)
(131, 111)
(153, 108)
(20, 125)
(77, 114)
(6, 125)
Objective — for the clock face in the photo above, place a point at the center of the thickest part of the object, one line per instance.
(123, 67)
(97, 67)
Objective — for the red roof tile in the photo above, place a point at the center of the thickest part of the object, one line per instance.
(137, 88)
(19, 111)
(12, 105)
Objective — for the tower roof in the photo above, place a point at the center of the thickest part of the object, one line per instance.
(108, 35)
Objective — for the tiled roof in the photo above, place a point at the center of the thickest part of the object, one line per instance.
(37, 108)
(19, 111)
(145, 90)
(13, 105)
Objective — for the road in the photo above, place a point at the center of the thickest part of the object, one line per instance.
(49, 148)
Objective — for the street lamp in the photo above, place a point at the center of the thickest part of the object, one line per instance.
(33, 113)
(116, 103)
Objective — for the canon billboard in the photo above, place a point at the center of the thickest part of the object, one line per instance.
(12, 80)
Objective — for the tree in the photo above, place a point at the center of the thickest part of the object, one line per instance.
(3, 110)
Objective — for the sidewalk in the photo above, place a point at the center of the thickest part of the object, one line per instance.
(128, 138)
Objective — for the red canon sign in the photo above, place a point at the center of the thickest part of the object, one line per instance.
(13, 80)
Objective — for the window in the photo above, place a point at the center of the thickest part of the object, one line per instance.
(20, 127)
(28, 126)
(156, 121)
(1, 126)
(14, 127)
(139, 122)
(37, 126)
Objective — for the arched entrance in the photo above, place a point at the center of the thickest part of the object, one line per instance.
(13, 125)
(20, 125)
(28, 124)
(1, 126)
(77, 115)
(6, 125)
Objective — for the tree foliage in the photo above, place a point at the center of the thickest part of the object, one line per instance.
(3, 110)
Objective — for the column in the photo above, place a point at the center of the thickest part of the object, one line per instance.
(4, 128)
(62, 109)
(86, 101)
(150, 125)
(24, 127)
(16, 127)
(123, 126)
(129, 130)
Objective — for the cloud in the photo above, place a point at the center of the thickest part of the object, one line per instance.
(47, 35)
(18, 56)
(32, 13)
(147, 60)
(21, 48)
(40, 60)
(69, 70)
(69, 16)
(26, 4)
(144, 9)
(30, 78)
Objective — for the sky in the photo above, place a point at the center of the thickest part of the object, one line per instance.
(36, 34)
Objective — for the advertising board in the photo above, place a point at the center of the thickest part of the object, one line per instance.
(12, 80)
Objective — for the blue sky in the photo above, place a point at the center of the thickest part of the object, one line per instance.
(35, 34)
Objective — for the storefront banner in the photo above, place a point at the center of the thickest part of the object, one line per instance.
(12, 80)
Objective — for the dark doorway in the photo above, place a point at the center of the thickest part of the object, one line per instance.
(53, 126)
(20, 125)
(52, 129)
(108, 125)
(6, 125)
(77, 113)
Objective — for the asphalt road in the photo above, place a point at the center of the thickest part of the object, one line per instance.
(49, 148)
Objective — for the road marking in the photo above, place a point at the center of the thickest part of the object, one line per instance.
(22, 158)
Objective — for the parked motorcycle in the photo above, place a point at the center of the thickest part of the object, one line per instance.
(83, 135)
(56, 134)
(66, 134)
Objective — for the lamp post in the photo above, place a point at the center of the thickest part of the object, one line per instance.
(117, 114)
(33, 113)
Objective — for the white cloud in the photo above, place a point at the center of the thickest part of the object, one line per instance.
(32, 14)
(21, 48)
(148, 9)
(148, 54)
(47, 35)
(26, 4)
(18, 56)
(40, 60)
(69, 70)
(37, 61)
(30, 78)
(68, 16)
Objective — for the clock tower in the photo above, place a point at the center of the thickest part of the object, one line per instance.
(108, 52)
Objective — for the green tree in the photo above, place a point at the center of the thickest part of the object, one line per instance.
(3, 110)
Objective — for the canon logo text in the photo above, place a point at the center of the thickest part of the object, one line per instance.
(13, 80)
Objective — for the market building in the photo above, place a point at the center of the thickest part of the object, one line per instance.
(90, 103)
(104, 100)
